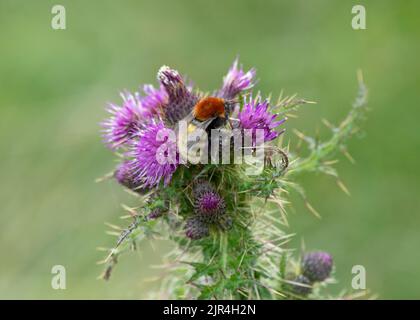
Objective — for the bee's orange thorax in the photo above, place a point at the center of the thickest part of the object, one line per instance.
(208, 108)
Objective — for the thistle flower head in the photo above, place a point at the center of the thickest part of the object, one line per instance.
(236, 80)
(196, 228)
(207, 202)
(181, 99)
(210, 205)
(153, 100)
(136, 109)
(256, 115)
(154, 155)
(317, 265)
(123, 123)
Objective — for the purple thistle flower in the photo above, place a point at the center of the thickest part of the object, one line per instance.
(153, 101)
(255, 115)
(208, 203)
(317, 266)
(123, 123)
(181, 99)
(236, 80)
(154, 155)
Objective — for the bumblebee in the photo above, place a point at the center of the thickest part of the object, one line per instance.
(210, 113)
(207, 114)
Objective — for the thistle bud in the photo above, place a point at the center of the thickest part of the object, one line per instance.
(201, 187)
(196, 228)
(210, 206)
(317, 266)
(123, 174)
(302, 286)
(181, 99)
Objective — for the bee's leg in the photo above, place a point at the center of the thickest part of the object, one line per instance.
(230, 123)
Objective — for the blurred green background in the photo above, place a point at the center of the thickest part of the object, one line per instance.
(54, 85)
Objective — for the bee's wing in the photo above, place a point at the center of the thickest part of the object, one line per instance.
(204, 124)
(187, 139)
(193, 123)
(189, 117)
